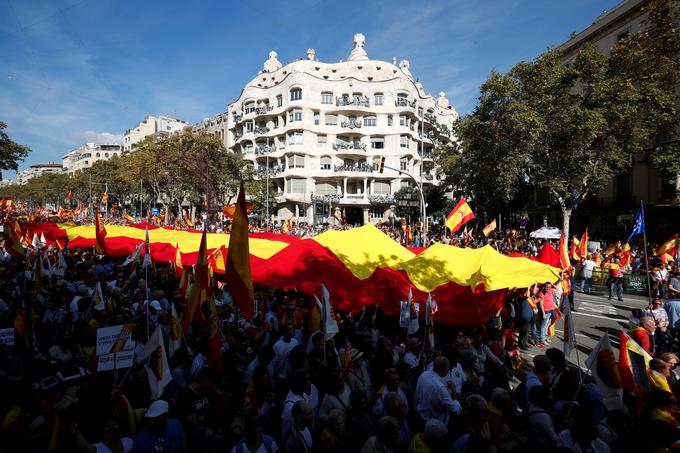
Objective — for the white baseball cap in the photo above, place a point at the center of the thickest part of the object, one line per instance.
(157, 408)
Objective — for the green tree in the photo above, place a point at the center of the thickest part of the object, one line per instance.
(11, 153)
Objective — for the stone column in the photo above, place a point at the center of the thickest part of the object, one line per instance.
(365, 187)
(344, 187)
(366, 216)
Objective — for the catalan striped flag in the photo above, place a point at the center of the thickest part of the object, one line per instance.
(238, 275)
(459, 216)
(565, 263)
(489, 228)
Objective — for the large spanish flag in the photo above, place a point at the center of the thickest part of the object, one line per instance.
(238, 276)
(460, 215)
(99, 245)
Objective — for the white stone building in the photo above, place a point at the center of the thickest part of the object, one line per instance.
(38, 170)
(317, 130)
(149, 126)
(85, 156)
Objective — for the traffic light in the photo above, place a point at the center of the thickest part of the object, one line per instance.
(381, 164)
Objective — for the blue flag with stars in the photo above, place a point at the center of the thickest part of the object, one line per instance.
(639, 224)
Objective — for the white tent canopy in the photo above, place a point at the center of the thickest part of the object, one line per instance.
(546, 232)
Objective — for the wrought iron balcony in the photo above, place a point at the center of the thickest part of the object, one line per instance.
(259, 130)
(361, 168)
(355, 196)
(358, 101)
(349, 145)
(404, 102)
(237, 136)
(327, 198)
(263, 110)
(273, 171)
(381, 199)
(238, 117)
(351, 124)
(426, 155)
(264, 149)
(428, 176)
(430, 117)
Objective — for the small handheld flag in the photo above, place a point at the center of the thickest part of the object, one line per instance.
(459, 216)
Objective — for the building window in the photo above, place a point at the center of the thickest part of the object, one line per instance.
(249, 107)
(403, 164)
(377, 212)
(326, 165)
(330, 120)
(420, 112)
(248, 149)
(370, 121)
(279, 100)
(356, 97)
(381, 188)
(404, 183)
(295, 115)
(275, 123)
(404, 141)
(402, 97)
(390, 121)
(296, 161)
(296, 94)
(325, 188)
(379, 99)
(403, 120)
(249, 126)
(317, 118)
(295, 138)
(377, 143)
(326, 98)
(321, 141)
(297, 185)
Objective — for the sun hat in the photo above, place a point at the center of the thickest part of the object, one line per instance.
(157, 408)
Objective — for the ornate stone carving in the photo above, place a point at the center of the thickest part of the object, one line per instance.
(358, 52)
(273, 63)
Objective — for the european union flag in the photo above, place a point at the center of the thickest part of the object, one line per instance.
(639, 224)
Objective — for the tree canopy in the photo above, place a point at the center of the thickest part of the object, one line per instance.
(11, 153)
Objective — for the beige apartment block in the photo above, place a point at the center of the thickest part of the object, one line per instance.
(316, 130)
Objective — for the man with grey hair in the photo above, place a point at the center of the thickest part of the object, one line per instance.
(642, 334)
(432, 398)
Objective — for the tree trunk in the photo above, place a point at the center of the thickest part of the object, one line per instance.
(566, 216)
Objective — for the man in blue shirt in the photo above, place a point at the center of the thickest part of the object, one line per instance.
(163, 435)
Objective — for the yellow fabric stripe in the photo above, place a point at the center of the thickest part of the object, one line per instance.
(188, 242)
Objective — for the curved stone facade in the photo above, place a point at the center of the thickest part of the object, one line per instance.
(317, 129)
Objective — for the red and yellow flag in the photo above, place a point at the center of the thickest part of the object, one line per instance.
(128, 218)
(670, 246)
(13, 240)
(201, 289)
(100, 231)
(228, 210)
(460, 215)
(187, 219)
(238, 275)
(489, 228)
(5, 204)
(105, 198)
(583, 245)
(218, 260)
(565, 263)
(574, 249)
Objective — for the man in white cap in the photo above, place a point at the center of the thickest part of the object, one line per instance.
(162, 434)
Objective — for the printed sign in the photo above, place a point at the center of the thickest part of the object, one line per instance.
(116, 361)
(7, 336)
(114, 339)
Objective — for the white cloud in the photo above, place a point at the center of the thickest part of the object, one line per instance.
(101, 137)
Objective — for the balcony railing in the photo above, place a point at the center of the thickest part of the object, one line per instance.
(426, 155)
(361, 168)
(327, 198)
(273, 171)
(263, 110)
(237, 136)
(264, 149)
(351, 124)
(381, 199)
(237, 118)
(358, 101)
(349, 145)
(259, 130)
(404, 102)
(357, 196)
(430, 117)
(428, 176)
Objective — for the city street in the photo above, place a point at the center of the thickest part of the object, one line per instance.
(594, 316)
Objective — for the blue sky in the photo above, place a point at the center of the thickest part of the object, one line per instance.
(73, 71)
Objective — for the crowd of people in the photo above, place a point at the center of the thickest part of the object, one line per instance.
(286, 387)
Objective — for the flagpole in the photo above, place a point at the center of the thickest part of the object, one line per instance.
(644, 238)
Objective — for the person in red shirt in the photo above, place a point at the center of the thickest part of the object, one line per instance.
(548, 301)
(641, 333)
